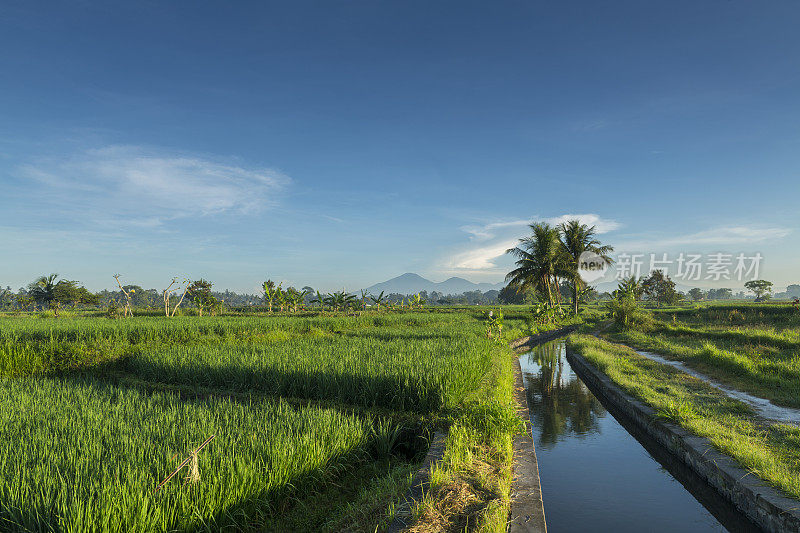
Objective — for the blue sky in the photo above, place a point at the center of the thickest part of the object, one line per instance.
(338, 144)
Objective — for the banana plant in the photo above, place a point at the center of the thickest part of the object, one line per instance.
(415, 301)
(320, 299)
(364, 296)
(271, 291)
(280, 298)
(378, 300)
(293, 298)
(340, 300)
(495, 323)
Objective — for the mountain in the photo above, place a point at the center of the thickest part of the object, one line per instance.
(410, 283)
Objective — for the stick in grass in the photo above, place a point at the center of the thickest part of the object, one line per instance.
(192, 455)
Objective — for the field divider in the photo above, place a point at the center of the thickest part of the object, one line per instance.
(419, 484)
(526, 343)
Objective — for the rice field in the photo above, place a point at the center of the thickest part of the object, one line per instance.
(95, 414)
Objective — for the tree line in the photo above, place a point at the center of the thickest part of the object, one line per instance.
(54, 294)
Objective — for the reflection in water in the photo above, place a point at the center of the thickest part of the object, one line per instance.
(560, 403)
(595, 475)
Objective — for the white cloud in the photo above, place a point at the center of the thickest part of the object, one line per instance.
(478, 259)
(723, 235)
(147, 188)
(498, 236)
(490, 230)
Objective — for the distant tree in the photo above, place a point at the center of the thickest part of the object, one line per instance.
(127, 293)
(199, 293)
(42, 290)
(56, 294)
(6, 298)
(294, 298)
(696, 294)
(280, 297)
(271, 292)
(309, 294)
(490, 296)
(792, 290)
(565, 288)
(378, 300)
(69, 292)
(24, 301)
(720, 294)
(511, 295)
(660, 289)
(341, 300)
(630, 285)
(761, 288)
(416, 301)
(173, 288)
(319, 299)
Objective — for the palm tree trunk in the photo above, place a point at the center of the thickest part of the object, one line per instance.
(575, 295)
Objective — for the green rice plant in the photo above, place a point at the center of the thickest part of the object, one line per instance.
(297, 405)
(38, 347)
(378, 368)
(80, 455)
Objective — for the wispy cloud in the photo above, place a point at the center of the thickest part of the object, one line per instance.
(145, 188)
(719, 236)
(492, 239)
(491, 229)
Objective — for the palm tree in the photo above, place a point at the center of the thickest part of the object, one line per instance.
(43, 289)
(539, 261)
(577, 238)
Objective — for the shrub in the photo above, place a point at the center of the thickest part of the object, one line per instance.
(113, 311)
(625, 311)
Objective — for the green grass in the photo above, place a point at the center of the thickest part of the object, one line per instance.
(380, 367)
(771, 452)
(82, 455)
(31, 346)
(752, 355)
(318, 419)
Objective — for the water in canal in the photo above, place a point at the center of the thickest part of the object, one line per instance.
(599, 472)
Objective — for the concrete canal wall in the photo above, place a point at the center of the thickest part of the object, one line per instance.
(764, 505)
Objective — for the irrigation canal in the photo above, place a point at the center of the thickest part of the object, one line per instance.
(599, 472)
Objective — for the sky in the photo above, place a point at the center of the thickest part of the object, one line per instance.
(339, 144)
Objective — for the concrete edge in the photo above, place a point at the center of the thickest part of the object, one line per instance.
(419, 485)
(527, 507)
(762, 504)
(530, 341)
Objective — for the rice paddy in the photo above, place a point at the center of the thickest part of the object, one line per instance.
(97, 412)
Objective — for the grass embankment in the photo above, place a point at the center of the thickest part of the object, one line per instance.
(520, 322)
(470, 486)
(755, 349)
(317, 420)
(771, 452)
